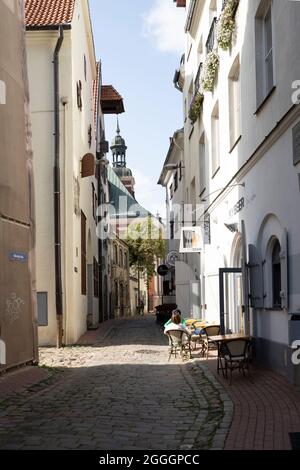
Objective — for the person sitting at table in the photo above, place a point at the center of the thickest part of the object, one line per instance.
(176, 324)
(182, 321)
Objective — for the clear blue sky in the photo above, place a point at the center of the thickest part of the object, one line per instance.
(143, 75)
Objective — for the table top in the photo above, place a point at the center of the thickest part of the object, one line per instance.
(222, 338)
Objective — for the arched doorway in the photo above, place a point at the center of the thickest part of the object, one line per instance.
(121, 300)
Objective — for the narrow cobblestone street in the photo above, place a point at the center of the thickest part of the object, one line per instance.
(120, 393)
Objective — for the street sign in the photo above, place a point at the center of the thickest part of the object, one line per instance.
(162, 270)
(172, 257)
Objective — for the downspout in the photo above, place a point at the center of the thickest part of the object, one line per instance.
(57, 208)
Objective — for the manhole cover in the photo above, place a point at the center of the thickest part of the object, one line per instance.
(295, 440)
(148, 351)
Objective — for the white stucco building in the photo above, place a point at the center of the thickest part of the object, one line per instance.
(241, 167)
(65, 88)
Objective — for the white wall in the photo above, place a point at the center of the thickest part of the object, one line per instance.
(74, 145)
(271, 180)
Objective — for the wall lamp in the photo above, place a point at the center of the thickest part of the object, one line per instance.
(102, 162)
(173, 166)
(222, 189)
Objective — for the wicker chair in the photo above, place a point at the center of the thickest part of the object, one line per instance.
(213, 330)
(178, 343)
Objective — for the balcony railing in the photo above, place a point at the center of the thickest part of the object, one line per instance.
(211, 36)
(197, 80)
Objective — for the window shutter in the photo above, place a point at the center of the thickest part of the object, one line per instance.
(256, 278)
(284, 271)
(245, 278)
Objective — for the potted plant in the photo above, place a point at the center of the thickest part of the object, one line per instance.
(210, 70)
(227, 24)
(196, 107)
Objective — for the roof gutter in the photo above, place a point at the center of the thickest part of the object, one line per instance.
(65, 26)
(56, 175)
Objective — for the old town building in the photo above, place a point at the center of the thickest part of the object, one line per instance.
(241, 169)
(18, 324)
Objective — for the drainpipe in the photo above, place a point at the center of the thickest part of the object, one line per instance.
(57, 209)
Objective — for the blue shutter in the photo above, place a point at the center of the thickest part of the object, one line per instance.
(284, 271)
(256, 278)
(245, 278)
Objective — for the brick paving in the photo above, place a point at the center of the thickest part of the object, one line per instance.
(266, 410)
(118, 391)
(18, 380)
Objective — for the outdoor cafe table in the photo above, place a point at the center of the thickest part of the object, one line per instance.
(221, 339)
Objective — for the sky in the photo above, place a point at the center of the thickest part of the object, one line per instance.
(140, 43)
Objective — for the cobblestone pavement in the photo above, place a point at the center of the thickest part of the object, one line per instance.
(120, 393)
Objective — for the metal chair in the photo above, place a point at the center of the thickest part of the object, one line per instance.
(198, 338)
(213, 330)
(178, 342)
(236, 354)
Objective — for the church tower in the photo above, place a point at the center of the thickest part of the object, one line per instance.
(118, 149)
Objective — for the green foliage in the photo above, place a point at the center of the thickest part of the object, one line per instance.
(146, 245)
(210, 70)
(227, 24)
(196, 107)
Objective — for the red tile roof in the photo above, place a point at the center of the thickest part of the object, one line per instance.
(109, 93)
(48, 12)
(180, 3)
(111, 100)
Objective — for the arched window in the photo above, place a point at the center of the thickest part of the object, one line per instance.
(276, 275)
(115, 254)
(116, 294)
(121, 258)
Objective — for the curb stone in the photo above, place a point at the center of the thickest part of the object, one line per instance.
(221, 435)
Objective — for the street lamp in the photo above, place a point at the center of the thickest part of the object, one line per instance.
(173, 166)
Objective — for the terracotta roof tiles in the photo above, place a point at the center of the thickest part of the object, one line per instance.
(40, 13)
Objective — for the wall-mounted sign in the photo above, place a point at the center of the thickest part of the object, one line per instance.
(237, 208)
(162, 270)
(191, 240)
(18, 256)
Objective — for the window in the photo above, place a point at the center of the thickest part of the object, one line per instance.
(42, 308)
(96, 278)
(276, 275)
(115, 254)
(215, 133)
(175, 181)
(83, 254)
(125, 260)
(121, 258)
(202, 165)
(180, 171)
(79, 95)
(268, 51)
(234, 103)
(264, 52)
(116, 294)
(172, 230)
(171, 191)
